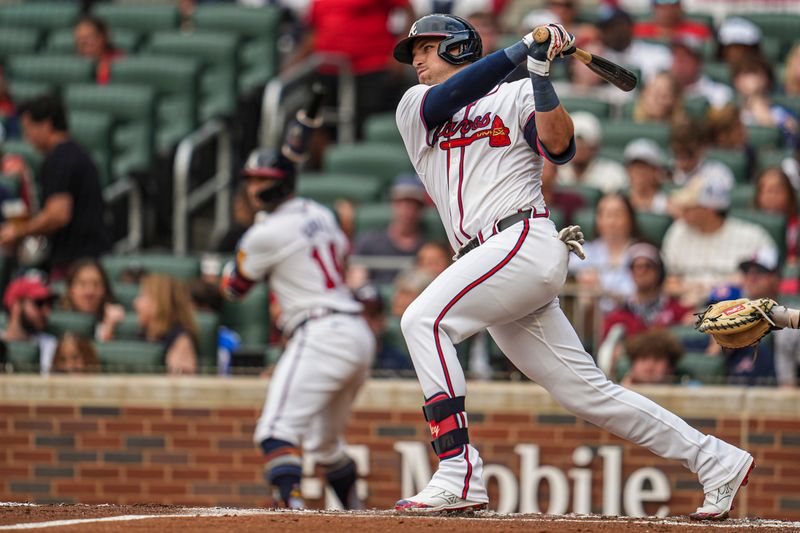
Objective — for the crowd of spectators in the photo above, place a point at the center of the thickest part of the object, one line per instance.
(710, 85)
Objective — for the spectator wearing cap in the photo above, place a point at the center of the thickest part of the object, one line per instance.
(775, 194)
(646, 163)
(688, 142)
(653, 355)
(754, 83)
(649, 306)
(661, 100)
(404, 236)
(588, 167)
(705, 246)
(761, 279)
(619, 46)
(387, 356)
(669, 22)
(737, 38)
(687, 67)
(28, 302)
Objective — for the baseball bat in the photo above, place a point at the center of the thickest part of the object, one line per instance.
(618, 76)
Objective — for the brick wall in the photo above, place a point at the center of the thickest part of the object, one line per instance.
(137, 439)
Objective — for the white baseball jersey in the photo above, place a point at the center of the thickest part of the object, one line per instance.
(301, 249)
(477, 167)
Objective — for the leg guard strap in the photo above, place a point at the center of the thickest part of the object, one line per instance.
(445, 445)
(441, 406)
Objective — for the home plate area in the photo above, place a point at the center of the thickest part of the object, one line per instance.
(168, 518)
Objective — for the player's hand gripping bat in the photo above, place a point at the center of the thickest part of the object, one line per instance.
(611, 72)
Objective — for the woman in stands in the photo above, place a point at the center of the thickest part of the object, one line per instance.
(791, 74)
(660, 100)
(89, 291)
(775, 194)
(164, 311)
(75, 355)
(92, 40)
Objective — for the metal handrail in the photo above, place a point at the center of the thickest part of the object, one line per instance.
(278, 90)
(127, 186)
(218, 187)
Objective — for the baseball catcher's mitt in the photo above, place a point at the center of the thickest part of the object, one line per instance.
(738, 323)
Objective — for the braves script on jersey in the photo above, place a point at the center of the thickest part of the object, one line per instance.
(301, 249)
(476, 167)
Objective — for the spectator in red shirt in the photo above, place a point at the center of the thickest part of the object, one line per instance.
(668, 23)
(92, 40)
(358, 30)
(649, 306)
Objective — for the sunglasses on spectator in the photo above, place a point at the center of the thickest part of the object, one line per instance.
(643, 265)
(41, 303)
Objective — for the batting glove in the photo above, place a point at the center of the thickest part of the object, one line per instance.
(572, 236)
(558, 43)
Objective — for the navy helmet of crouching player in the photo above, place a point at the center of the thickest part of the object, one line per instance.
(268, 163)
(460, 42)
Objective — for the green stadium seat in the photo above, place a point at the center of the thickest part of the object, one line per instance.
(257, 29)
(180, 267)
(125, 293)
(129, 356)
(73, 322)
(10, 183)
(393, 335)
(326, 188)
(557, 216)
(93, 130)
(23, 356)
(789, 102)
(736, 160)
(774, 224)
(696, 107)
(132, 108)
(707, 369)
(58, 70)
(376, 159)
(619, 133)
(718, 71)
(764, 137)
(175, 80)
(690, 338)
(382, 128)
(207, 325)
(17, 41)
(40, 15)
(653, 227)
(584, 217)
(63, 41)
(614, 153)
(217, 53)
(143, 17)
(782, 26)
(376, 216)
(742, 196)
(249, 317)
(128, 328)
(25, 90)
(772, 158)
(590, 195)
(772, 48)
(598, 108)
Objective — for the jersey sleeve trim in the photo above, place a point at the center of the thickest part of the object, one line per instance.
(534, 142)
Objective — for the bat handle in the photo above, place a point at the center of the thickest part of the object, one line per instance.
(541, 34)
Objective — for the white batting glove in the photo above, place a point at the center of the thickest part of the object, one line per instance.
(541, 54)
(572, 236)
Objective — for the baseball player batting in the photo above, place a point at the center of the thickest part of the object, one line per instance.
(478, 144)
(297, 245)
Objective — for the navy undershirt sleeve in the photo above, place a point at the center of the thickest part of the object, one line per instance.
(467, 85)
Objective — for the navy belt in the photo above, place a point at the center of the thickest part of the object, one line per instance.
(503, 224)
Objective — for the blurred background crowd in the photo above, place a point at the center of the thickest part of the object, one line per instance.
(114, 238)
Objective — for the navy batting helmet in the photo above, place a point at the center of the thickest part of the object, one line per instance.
(454, 30)
(269, 163)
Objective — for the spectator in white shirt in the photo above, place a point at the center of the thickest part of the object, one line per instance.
(587, 167)
(687, 67)
(616, 33)
(646, 166)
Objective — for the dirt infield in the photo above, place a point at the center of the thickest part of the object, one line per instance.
(168, 519)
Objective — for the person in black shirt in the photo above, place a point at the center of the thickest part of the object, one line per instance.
(72, 202)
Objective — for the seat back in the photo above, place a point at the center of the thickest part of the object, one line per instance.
(326, 188)
(57, 70)
(131, 357)
(176, 266)
(249, 317)
(16, 41)
(372, 159)
(40, 15)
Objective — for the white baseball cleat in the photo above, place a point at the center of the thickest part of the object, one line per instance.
(719, 502)
(433, 500)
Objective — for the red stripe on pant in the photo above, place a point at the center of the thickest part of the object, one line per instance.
(449, 306)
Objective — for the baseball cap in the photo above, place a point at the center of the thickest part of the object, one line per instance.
(587, 127)
(370, 297)
(643, 250)
(710, 189)
(408, 187)
(765, 258)
(645, 150)
(738, 30)
(26, 287)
